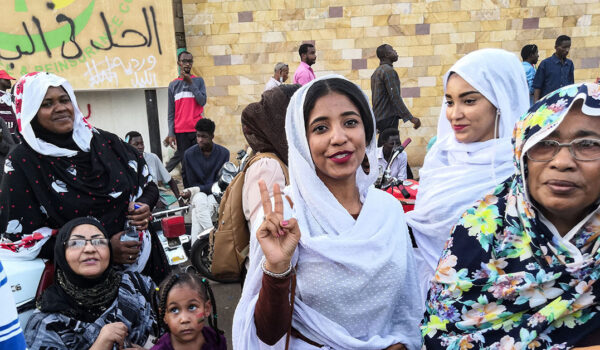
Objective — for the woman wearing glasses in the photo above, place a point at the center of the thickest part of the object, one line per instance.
(520, 267)
(91, 305)
(65, 169)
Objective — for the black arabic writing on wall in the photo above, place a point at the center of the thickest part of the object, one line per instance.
(107, 39)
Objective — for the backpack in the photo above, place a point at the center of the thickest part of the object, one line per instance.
(230, 241)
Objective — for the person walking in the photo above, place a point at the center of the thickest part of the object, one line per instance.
(308, 56)
(388, 105)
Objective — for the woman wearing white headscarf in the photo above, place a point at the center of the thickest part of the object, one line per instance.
(485, 94)
(65, 169)
(354, 266)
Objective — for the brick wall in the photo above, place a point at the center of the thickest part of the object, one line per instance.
(237, 43)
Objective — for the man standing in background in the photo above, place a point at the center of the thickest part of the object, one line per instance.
(530, 56)
(308, 57)
(279, 77)
(555, 71)
(388, 105)
(186, 98)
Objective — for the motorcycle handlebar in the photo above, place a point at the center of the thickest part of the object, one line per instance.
(165, 213)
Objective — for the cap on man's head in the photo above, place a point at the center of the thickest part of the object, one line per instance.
(4, 75)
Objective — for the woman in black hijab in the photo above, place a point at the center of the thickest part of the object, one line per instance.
(90, 305)
(64, 169)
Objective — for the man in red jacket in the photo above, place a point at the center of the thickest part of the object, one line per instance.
(187, 97)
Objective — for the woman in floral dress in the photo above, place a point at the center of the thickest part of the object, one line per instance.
(520, 267)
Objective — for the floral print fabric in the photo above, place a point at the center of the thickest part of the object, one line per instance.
(504, 281)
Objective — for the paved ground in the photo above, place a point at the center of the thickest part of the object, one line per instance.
(227, 296)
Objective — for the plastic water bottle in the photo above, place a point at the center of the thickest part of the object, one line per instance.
(131, 233)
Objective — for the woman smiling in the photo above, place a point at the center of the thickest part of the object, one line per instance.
(353, 260)
(483, 99)
(65, 169)
(90, 305)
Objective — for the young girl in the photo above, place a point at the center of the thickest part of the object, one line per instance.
(185, 302)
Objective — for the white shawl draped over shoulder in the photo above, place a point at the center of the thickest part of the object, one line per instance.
(455, 175)
(356, 284)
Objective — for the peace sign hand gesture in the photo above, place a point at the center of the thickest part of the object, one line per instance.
(278, 238)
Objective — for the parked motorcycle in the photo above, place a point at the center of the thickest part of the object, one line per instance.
(200, 255)
(174, 234)
(27, 280)
(404, 190)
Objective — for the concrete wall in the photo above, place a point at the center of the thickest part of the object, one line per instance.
(236, 44)
(122, 111)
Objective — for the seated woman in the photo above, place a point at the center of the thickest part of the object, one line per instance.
(263, 124)
(65, 169)
(347, 240)
(91, 305)
(520, 268)
(472, 154)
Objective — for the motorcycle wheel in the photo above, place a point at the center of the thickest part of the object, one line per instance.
(200, 257)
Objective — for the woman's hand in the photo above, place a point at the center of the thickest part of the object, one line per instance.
(278, 238)
(398, 346)
(139, 217)
(109, 335)
(124, 252)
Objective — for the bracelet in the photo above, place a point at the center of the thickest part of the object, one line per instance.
(282, 275)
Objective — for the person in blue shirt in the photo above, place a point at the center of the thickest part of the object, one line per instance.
(202, 163)
(530, 56)
(555, 71)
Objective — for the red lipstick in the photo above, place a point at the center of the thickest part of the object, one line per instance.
(341, 157)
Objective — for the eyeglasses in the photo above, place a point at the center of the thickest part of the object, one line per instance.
(581, 149)
(80, 243)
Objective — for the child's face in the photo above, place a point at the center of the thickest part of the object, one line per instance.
(185, 313)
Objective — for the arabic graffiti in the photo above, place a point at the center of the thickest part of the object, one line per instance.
(65, 36)
(95, 44)
(139, 71)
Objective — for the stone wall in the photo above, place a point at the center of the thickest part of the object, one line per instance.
(237, 43)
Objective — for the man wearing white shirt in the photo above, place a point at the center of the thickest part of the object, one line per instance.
(279, 77)
(390, 140)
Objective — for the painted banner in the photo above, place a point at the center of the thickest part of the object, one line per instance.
(95, 44)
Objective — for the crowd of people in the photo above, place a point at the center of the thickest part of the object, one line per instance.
(500, 252)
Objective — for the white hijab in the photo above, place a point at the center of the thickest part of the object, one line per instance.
(355, 278)
(455, 175)
(30, 91)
